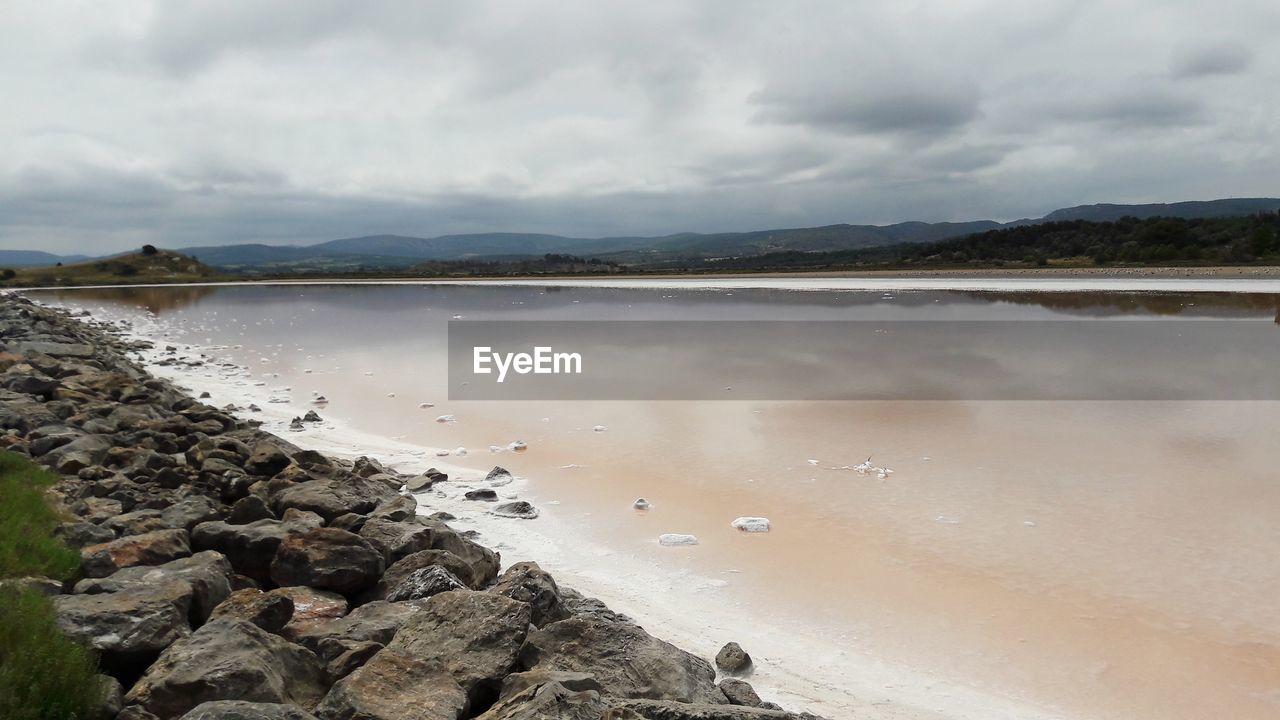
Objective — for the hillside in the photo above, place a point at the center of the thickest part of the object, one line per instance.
(159, 266)
(1254, 239)
(32, 258)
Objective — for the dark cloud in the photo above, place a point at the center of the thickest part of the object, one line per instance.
(938, 109)
(1215, 59)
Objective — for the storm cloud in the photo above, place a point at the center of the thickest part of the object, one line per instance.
(202, 122)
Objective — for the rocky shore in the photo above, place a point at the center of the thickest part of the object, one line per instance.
(229, 574)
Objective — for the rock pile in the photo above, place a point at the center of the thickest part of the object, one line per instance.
(229, 575)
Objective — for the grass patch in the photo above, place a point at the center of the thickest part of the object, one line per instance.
(27, 521)
(44, 675)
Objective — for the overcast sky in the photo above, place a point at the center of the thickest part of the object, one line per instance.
(193, 123)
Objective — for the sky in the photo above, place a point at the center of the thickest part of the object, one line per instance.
(191, 123)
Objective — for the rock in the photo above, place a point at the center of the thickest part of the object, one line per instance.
(98, 510)
(79, 534)
(266, 460)
(407, 566)
(739, 692)
(481, 494)
(395, 686)
(641, 504)
(518, 509)
(423, 583)
(208, 573)
(751, 524)
(128, 628)
(83, 452)
(191, 511)
(626, 660)
(311, 457)
(499, 476)
(137, 522)
(56, 349)
(269, 611)
(311, 609)
(328, 559)
(355, 655)
(530, 584)
(426, 480)
(394, 539)
(476, 635)
(550, 701)
(365, 466)
(311, 416)
(375, 622)
(229, 659)
(676, 540)
(112, 699)
(666, 710)
(351, 522)
(248, 509)
(251, 548)
(399, 509)
(44, 585)
(153, 548)
(332, 495)
(516, 683)
(241, 710)
(133, 712)
(733, 659)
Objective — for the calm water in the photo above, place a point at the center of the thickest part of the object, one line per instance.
(1110, 558)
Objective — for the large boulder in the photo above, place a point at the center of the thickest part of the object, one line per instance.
(548, 701)
(328, 559)
(128, 628)
(270, 611)
(251, 548)
(266, 460)
(626, 660)
(529, 583)
(241, 710)
(153, 548)
(406, 567)
(394, 685)
(398, 540)
(475, 635)
(423, 583)
(229, 659)
(733, 659)
(375, 622)
(330, 493)
(85, 451)
(208, 573)
(668, 710)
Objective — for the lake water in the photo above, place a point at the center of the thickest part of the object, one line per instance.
(1091, 555)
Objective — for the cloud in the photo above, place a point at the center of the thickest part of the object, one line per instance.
(201, 123)
(1199, 60)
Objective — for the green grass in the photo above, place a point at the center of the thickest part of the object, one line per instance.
(44, 675)
(26, 521)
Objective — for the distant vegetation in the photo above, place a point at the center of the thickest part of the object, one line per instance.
(43, 674)
(1128, 241)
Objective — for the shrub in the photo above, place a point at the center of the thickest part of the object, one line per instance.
(26, 521)
(149, 250)
(44, 675)
(8, 274)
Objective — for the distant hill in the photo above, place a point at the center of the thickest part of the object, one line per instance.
(28, 258)
(397, 252)
(162, 266)
(1105, 212)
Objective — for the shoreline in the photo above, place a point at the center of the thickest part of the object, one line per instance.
(873, 689)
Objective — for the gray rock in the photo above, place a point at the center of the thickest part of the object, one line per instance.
(208, 573)
(312, 608)
(396, 540)
(626, 660)
(112, 701)
(375, 622)
(354, 655)
(403, 568)
(250, 547)
(328, 559)
(739, 692)
(518, 509)
(530, 584)
(551, 701)
(475, 635)
(153, 548)
(396, 686)
(79, 534)
(83, 452)
(516, 683)
(266, 460)
(229, 660)
(191, 511)
(667, 710)
(423, 583)
(733, 659)
(241, 710)
(482, 494)
(249, 508)
(333, 493)
(400, 508)
(128, 628)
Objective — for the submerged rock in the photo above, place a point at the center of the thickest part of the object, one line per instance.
(676, 539)
(518, 509)
(751, 524)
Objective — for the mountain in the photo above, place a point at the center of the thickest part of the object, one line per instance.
(1105, 212)
(32, 258)
(448, 247)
